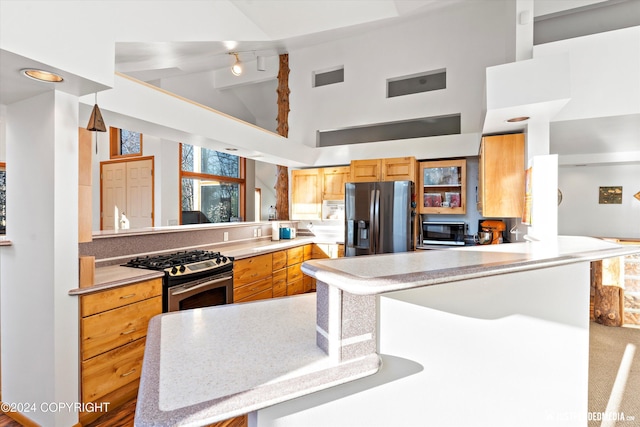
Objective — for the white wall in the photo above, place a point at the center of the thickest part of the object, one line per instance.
(430, 43)
(3, 127)
(581, 214)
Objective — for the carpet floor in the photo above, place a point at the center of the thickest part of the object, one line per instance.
(614, 376)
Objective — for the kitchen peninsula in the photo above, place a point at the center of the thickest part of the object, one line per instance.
(502, 340)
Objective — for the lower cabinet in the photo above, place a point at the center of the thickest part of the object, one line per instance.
(113, 329)
(252, 278)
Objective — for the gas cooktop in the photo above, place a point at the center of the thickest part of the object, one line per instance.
(183, 262)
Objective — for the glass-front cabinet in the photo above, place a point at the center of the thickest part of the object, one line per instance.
(442, 188)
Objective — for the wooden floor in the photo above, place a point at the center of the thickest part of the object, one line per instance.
(123, 417)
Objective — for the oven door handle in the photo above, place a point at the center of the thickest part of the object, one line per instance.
(198, 286)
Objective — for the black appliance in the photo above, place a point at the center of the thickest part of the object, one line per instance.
(379, 217)
(192, 279)
(443, 233)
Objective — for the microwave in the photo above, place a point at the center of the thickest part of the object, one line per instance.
(443, 232)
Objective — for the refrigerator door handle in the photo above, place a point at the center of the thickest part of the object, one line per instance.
(372, 222)
(376, 225)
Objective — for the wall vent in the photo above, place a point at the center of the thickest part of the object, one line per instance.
(417, 83)
(405, 129)
(323, 78)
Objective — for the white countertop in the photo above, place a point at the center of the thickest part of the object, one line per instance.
(374, 274)
(207, 365)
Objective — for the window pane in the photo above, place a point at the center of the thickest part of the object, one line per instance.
(129, 142)
(217, 201)
(211, 162)
(188, 157)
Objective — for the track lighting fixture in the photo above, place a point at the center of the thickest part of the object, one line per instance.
(236, 68)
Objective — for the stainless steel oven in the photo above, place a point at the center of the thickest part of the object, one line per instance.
(214, 290)
(192, 279)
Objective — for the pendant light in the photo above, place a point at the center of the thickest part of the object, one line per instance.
(96, 123)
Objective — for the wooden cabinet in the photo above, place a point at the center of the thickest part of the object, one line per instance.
(442, 187)
(391, 169)
(333, 180)
(306, 194)
(252, 279)
(113, 329)
(310, 187)
(501, 173)
(295, 256)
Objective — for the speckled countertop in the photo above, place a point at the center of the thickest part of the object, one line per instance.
(112, 276)
(375, 274)
(207, 365)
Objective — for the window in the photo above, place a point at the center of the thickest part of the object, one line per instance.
(212, 185)
(3, 199)
(125, 143)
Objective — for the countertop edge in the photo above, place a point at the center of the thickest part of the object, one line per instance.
(147, 275)
(367, 285)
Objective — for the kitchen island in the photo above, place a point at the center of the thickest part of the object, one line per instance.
(501, 340)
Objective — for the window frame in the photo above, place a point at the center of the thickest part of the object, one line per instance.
(114, 145)
(241, 181)
(3, 167)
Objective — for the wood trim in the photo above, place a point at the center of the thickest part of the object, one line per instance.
(207, 177)
(3, 165)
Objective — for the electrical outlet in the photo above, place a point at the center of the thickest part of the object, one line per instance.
(259, 232)
(225, 236)
(255, 232)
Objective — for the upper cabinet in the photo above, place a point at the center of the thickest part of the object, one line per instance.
(306, 194)
(442, 187)
(501, 174)
(333, 180)
(311, 187)
(392, 169)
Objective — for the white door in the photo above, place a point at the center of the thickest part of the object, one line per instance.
(127, 189)
(140, 193)
(114, 191)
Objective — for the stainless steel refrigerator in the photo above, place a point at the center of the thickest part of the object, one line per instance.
(379, 217)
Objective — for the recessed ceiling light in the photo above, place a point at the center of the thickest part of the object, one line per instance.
(518, 119)
(231, 149)
(41, 75)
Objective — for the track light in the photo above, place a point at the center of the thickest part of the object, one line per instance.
(236, 68)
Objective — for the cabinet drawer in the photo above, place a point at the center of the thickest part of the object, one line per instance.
(109, 371)
(294, 273)
(279, 260)
(110, 329)
(295, 255)
(295, 288)
(266, 294)
(246, 291)
(113, 298)
(249, 270)
(279, 283)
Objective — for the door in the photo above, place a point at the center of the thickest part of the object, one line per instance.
(114, 190)
(360, 218)
(140, 193)
(396, 217)
(127, 189)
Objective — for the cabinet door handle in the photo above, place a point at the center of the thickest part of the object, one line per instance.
(126, 374)
(127, 296)
(130, 331)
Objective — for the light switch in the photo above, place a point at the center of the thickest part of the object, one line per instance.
(225, 236)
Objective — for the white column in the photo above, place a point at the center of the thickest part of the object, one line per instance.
(524, 29)
(39, 319)
(544, 212)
